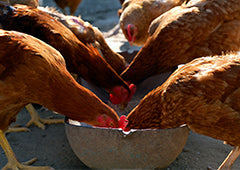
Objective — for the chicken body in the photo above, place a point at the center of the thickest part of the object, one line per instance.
(199, 28)
(88, 34)
(35, 119)
(137, 15)
(72, 4)
(33, 72)
(80, 59)
(203, 94)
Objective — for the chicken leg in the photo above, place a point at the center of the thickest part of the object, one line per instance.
(39, 122)
(16, 128)
(35, 119)
(228, 162)
(12, 161)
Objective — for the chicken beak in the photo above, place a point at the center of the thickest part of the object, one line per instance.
(131, 42)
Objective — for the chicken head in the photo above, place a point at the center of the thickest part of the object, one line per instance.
(137, 15)
(106, 121)
(121, 95)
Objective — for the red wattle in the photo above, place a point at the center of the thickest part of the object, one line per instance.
(129, 32)
(123, 122)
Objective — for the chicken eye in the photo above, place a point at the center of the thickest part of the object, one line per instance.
(111, 124)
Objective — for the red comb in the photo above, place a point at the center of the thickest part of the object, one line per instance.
(114, 99)
(133, 90)
(123, 123)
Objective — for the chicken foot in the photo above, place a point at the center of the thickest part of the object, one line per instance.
(16, 128)
(228, 162)
(39, 122)
(35, 119)
(13, 163)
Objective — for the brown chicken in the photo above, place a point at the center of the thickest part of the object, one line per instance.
(84, 31)
(80, 59)
(203, 94)
(137, 15)
(35, 119)
(208, 27)
(31, 71)
(89, 34)
(72, 4)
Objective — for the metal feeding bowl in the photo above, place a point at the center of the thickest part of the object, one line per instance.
(103, 148)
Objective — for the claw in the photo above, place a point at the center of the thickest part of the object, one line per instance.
(12, 160)
(39, 122)
(30, 162)
(16, 129)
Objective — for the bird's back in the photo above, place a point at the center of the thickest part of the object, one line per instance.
(41, 25)
(210, 88)
(187, 32)
(80, 59)
(26, 64)
(204, 94)
(32, 71)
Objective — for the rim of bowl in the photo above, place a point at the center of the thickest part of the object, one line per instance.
(118, 129)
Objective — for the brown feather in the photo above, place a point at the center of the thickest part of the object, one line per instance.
(34, 72)
(141, 14)
(87, 33)
(207, 27)
(79, 58)
(204, 94)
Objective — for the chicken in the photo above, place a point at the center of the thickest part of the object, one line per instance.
(72, 4)
(203, 94)
(31, 71)
(137, 15)
(80, 59)
(35, 119)
(87, 34)
(199, 28)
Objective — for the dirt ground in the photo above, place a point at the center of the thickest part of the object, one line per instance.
(51, 147)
